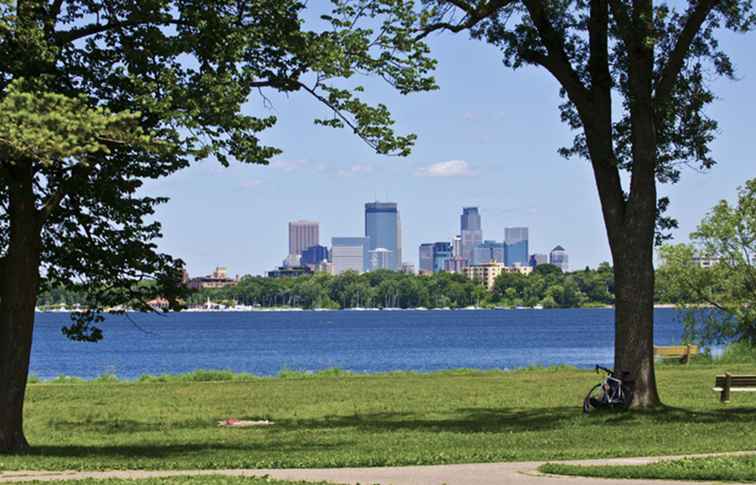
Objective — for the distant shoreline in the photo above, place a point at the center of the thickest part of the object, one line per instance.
(659, 306)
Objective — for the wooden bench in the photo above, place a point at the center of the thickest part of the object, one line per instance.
(679, 352)
(729, 383)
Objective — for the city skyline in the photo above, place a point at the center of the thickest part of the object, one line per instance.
(475, 147)
(383, 230)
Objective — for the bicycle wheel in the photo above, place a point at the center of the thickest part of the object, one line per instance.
(593, 399)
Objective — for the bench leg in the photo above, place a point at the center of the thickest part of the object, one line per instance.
(725, 397)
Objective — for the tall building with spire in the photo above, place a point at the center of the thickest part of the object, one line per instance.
(471, 232)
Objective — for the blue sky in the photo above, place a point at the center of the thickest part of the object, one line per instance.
(492, 131)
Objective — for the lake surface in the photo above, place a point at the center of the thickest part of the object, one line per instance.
(371, 341)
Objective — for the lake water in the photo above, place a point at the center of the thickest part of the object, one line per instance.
(371, 341)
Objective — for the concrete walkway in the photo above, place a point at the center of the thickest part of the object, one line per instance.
(518, 473)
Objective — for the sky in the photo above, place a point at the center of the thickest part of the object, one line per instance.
(488, 138)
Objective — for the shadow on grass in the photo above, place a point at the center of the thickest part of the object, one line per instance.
(168, 451)
(465, 420)
(128, 426)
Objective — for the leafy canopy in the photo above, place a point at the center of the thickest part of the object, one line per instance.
(727, 238)
(636, 78)
(97, 97)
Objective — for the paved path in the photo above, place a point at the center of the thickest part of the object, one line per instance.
(517, 473)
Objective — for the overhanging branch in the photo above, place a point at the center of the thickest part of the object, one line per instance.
(676, 59)
(473, 15)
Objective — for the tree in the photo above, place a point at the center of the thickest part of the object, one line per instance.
(96, 97)
(727, 239)
(657, 61)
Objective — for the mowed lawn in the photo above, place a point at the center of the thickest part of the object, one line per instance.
(378, 420)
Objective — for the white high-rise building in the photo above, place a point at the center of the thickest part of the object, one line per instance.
(349, 254)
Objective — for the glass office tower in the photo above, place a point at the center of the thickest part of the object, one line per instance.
(425, 258)
(471, 232)
(516, 239)
(384, 230)
(442, 252)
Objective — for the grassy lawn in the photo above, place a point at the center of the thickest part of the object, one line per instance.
(730, 469)
(201, 480)
(402, 419)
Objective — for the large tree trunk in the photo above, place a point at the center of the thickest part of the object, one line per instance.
(634, 323)
(19, 280)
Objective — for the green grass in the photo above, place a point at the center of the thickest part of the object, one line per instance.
(197, 480)
(370, 420)
(730, 469)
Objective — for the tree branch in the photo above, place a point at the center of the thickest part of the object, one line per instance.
(93, 29)
(473, 15)
(622, 18)
(338, 113)
(671, 70)
(557, 61)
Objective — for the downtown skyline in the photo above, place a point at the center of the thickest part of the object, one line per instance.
(475, 147)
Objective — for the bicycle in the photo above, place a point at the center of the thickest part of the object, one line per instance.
(612, 392)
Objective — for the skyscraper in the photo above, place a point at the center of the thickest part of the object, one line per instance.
(378, 259)
(314, 255)
(516, 239)
(442, 252)
(425, 258)
(349, 254)
(471, 231)
(558, 257)
(384, 230)
(489, 251)
(303, 235)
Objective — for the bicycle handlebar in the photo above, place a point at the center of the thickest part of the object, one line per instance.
(608, 371)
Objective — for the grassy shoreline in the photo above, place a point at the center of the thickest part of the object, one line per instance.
(725, 468)
(345, 420)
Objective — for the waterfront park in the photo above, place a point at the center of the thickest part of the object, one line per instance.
(101, 101)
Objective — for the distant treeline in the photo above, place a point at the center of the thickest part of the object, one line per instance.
(546, 286)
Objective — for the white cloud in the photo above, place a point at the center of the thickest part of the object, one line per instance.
(287, 165)
(452, 168)
(356, 169)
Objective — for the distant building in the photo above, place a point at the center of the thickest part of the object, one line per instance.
(324, 267)
(471, 231)
(558, 257)
(289, 272)
(314, 255)
(407, 268)
(218, 279)
(538, 259)
(487, 273)
(379, 258)
(292, 261)
(457, 247)
(704, 261)
(516, 239)
(349, 254)
(455, 265)
(383, 229)
(442, 252)
(425, 258)
(303, 235)
(489, 251)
